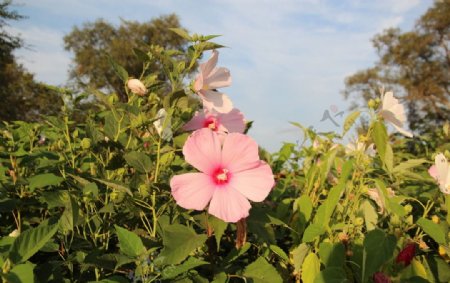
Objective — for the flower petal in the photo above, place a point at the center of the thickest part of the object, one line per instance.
(207, 67)
(228, 204)
(219, 77)
(255, 184)
(233, 122)
(239, 152)
(196, 122)
(214, 100)
(202, 150)
(192, 190)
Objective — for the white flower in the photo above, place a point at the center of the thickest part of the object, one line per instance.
(394, 112)
(137, 87)
(162, 126)
(376, 195)
(441, 172)
(359, 146)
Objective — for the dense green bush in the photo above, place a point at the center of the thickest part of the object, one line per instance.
(92, 201)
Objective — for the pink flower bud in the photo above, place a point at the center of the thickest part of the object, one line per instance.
(407, 254)
(379, 277)
(137, 87)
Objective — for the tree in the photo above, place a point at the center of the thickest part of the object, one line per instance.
(415, 64)
(22, 97)
(94, 42)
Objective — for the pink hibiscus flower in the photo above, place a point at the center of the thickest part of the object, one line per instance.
(222, 123)
(230, 175)
(209, 80)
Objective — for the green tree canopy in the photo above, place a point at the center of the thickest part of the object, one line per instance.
(22, 97)
(91, 43)
(415, 64)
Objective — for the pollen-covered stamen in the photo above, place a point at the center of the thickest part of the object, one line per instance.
(221, 176)
(212, 123)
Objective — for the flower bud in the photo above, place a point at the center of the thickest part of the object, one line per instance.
(137, 87)
(379, 277)
(86, 143)
(406, 255)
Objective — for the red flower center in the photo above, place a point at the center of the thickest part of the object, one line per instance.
(221, 176)
(212, 123)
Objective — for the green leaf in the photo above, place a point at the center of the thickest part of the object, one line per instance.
(235, 253)
(112, 127)
(370, 214)
(411, 163)
(112, 279)
(278, 251)
(130, 243)
(31, 241)
(298, 255)
(433, 230)
(139, 161)
(260, 271)
(332, 254)
(179, 241)
(115, 185)
(219, 226)
(44, 180)
(181, 32)
(389, 158)
(305, 207)
(349, 121)
(221, 277)
(22, 273)
(378, 249)
(69, 218)
(310, 268)
(379, 136)
(312, 231)
(173, 271)
(331, 275)
(120, 71)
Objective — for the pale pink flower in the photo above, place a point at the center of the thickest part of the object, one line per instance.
(394, 112)
(137, 87)
(230, 175)
(222, 123)
(209, 80)
(441, 172)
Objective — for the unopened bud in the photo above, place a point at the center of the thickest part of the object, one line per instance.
(137, 87)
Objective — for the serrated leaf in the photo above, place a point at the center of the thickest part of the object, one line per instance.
(349, 121)
(31, 241)
(260, 271)
(278, 251)
(44, 180)
(312, 231)
(298, 255)
(179, 241)
(433, 230)
(305, 207)
(139, 161)
(130, 243)
(411, 163)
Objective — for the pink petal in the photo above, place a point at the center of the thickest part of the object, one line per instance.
(239, 153)
(219, 77)
(255, 184)
(228, 204)
(202, 150)
(198, 84)
(207, 67)
(196, 122)
(433, 172)
(233, 121)
(213, 100)
(192, 190)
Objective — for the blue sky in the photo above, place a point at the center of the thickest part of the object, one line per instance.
(288, 58)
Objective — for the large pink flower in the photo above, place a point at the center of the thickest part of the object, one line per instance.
(222, 123)
(230, 175)
(209, 80)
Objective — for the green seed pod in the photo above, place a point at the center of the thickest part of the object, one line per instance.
(86, 143)
(408, 208)
(359, 221)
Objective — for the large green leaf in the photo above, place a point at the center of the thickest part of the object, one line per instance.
(130, 243)
(219, 226)
(22, 273)
(378, 248)
(310, 268)
(179, 242)
(312, 231)
(433, 230)
(260, 271)
(44, 180)
(332, 254)
(331, 275)
(139, 161)
(30, 241)
(298, 255)
(380, 137)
